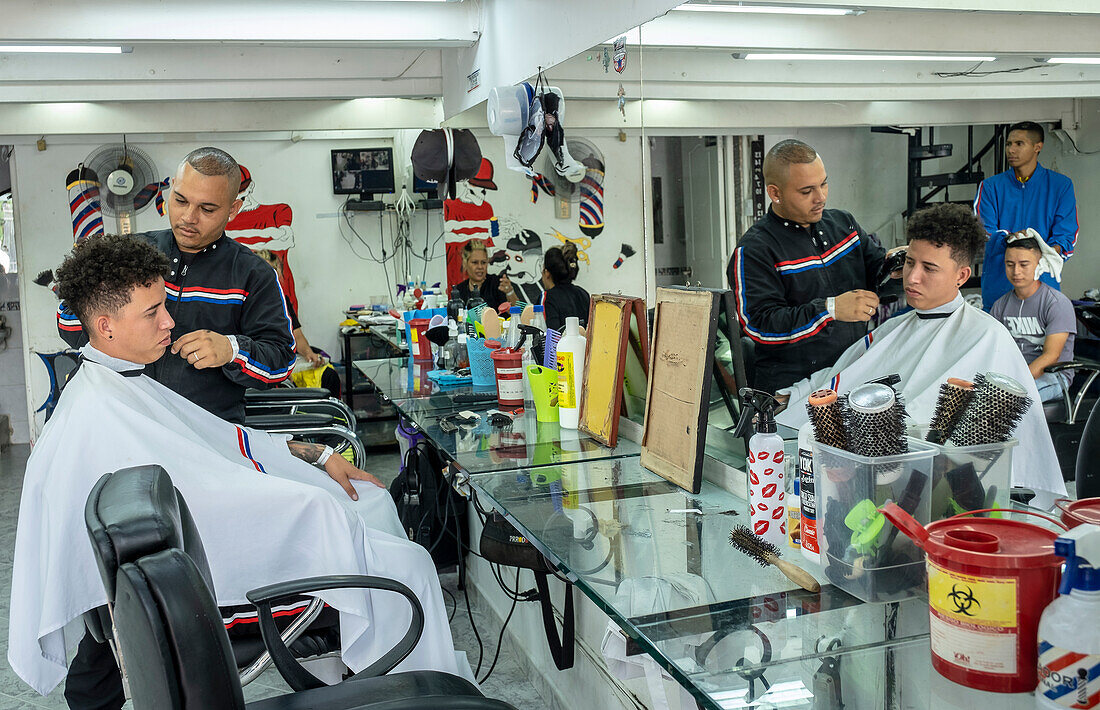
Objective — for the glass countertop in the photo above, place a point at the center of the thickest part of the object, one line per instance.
(711, 616)
(525, 443)
(406, 383)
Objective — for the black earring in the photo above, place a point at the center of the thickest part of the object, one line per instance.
(110, 337)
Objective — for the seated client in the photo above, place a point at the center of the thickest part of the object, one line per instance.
(265, 515)
(941, 337)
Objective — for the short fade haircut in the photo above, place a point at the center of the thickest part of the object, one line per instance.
(951, 225)
(101, 272)
(211, 162)
(1026, 243)
(778, 161)
(1034, 131)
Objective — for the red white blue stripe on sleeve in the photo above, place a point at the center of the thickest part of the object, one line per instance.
(67, 320)
(227, 296)
(258, 370)
(838, 250)
(810, 329)
(834, 384)
(246, 449)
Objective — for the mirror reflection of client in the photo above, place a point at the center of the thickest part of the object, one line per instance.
(264, 513)
(563, 298)
(941, 338)
(1040, 318)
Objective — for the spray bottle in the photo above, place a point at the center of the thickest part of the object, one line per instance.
(1069, 637)
(767, 489)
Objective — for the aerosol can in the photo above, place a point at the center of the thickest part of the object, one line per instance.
(767, 489)
(1069, 635)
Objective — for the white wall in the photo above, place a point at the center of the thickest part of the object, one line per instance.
(13, 396)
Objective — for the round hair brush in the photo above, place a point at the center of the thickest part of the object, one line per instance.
(826, 418)
(998, 405)
(955, 395)
(874, 416)
(766, 554)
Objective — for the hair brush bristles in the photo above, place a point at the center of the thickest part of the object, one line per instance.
(826, 418)
(874, 417)
(753, 545)
(955, 395)
(998, 405)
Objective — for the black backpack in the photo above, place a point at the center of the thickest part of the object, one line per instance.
(432, 513)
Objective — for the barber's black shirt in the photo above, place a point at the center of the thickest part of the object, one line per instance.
(489, 291)
(781, 274)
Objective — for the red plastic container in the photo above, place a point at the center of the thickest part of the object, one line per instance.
(509, 368)
(420, 348)
(989, 580)
(1078, 512)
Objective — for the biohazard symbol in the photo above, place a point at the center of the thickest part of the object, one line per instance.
(963, 600)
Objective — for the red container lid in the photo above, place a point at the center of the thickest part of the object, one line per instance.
(507, 356)
(492, 344)
(1086, 510)
(992, 542)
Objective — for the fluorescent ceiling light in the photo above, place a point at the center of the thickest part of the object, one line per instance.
(866, 57)
(770, 9)
(1074, 60)
(59, 49)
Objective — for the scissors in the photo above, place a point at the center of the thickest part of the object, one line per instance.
(582, 243)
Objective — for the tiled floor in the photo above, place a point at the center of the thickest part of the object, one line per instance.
(507, 682)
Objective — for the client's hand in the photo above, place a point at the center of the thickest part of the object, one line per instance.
(339, 470)
(203, 349)
(857, 305)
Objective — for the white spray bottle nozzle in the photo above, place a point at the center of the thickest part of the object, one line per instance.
(1081, 545)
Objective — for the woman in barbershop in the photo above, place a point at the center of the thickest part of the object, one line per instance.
(491, 288)
(563, 298)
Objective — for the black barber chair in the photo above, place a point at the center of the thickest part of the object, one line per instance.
(171, 639)
(156, 518)
(307, 413)
(1088, 457)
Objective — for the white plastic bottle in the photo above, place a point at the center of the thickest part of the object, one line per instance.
(1069, 635)
(571, 350)
(767, 489)
(807, 495)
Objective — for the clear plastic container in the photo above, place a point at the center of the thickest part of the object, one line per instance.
(969, 477)
(861, 550)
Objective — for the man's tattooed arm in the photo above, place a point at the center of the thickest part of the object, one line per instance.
(310, 453)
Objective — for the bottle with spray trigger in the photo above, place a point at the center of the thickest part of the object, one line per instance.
(767, 490)
(1069, 644)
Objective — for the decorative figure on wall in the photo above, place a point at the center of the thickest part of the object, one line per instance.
(582, 244)
(469, 216)
(622, 101)
(625, 252)
(260, 226)
(83, 187)
(591, 207)
(539, 182)
(606, 61)
(620, 54)
(521, 259)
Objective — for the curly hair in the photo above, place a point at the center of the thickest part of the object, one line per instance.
(102, 271)
(561, 262)
(950, 225)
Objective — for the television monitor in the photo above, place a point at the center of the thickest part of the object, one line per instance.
(362, 171)
(425, 187)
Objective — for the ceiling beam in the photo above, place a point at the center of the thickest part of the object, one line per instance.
(452, 24)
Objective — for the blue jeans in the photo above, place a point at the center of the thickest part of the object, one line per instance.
(1050, 386)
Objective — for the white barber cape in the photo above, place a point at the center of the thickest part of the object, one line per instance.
(264, 517)
(927, 347)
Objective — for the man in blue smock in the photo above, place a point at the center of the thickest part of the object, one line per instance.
(1025, 195)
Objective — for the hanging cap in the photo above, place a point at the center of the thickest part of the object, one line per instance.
(446, 156)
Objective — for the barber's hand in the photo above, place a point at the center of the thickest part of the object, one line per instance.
(203, 349)
(314, 358)
(505, 284)
(339, 470)
(855, 306)
(1036, 372)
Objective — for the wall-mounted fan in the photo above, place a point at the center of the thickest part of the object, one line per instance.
(588, 191)
(127, 180)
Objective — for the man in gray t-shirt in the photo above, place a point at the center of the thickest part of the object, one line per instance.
(1040, 318)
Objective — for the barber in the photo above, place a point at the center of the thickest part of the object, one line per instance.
(232, 329)
(803, 276)
(231, 332)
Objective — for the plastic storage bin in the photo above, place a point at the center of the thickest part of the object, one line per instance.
(861, 550)
(969, 477)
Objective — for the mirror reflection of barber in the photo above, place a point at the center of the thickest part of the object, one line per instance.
(803, 277)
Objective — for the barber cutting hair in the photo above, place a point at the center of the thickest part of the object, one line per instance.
(803, 276)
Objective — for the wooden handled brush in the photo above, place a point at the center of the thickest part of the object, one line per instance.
(766, 554)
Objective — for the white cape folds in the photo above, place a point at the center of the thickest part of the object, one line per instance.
(925, 352)
(288, 522)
